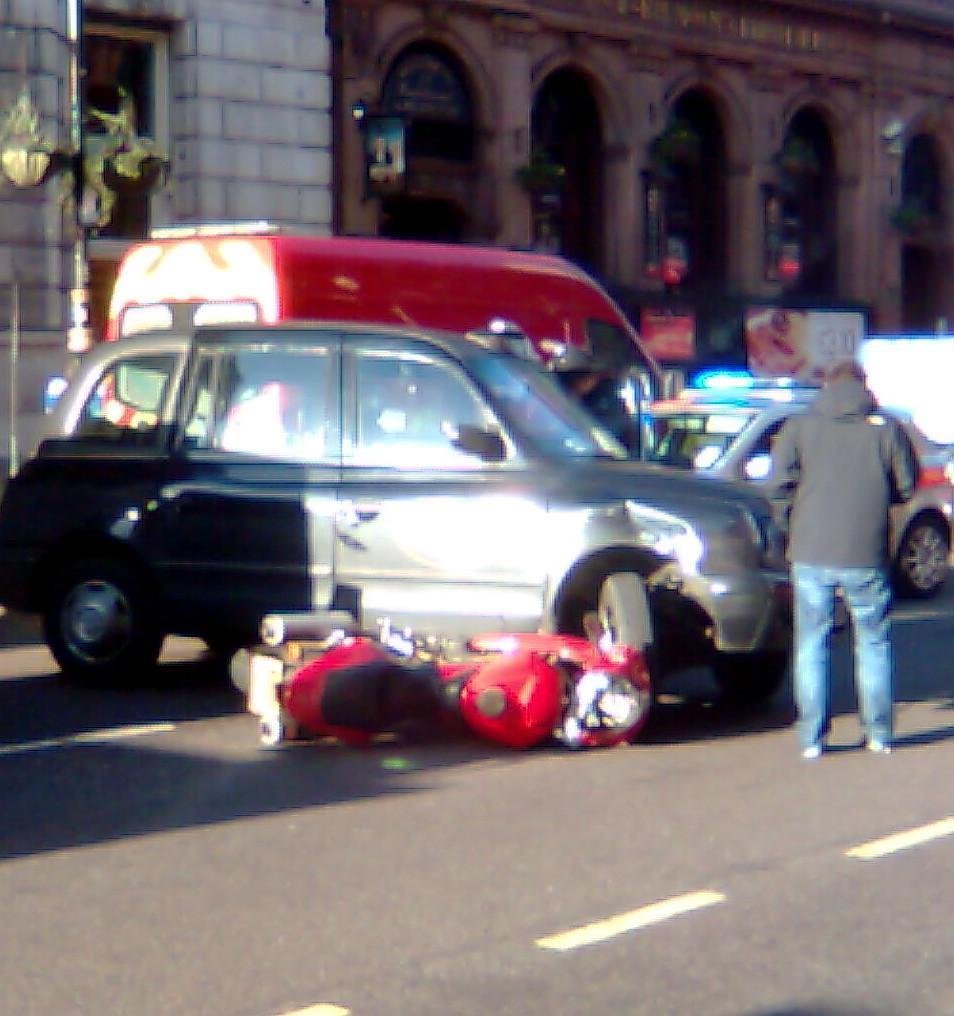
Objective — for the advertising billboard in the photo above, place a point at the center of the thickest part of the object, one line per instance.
(799, 343)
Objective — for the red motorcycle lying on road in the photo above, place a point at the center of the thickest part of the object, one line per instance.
(315, 677)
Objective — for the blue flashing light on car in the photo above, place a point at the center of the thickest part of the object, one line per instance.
(721, 379)
(54, 388)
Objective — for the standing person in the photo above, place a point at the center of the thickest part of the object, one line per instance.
(836, 469)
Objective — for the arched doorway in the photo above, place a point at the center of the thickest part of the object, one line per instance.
(566, 131)
(427, 88)
(919, 218)
(808, 193)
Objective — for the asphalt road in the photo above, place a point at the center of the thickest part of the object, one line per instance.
(155, 860)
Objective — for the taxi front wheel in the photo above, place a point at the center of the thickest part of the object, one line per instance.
(97, 623)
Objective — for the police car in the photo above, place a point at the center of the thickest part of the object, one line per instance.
(724, 425)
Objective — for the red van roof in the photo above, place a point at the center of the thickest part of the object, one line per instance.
(458, 287)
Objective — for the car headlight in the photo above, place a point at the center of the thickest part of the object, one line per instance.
(668, 536)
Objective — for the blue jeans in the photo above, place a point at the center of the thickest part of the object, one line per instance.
(868, 598)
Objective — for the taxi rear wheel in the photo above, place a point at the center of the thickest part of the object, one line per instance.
(922, 562)
(97, 623)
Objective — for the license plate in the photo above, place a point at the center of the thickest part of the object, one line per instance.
(265, 675)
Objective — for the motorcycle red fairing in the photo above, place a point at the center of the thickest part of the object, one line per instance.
(519, 690)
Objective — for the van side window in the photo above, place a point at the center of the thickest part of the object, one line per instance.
(125, 407)
(267, 402)
(409, 411)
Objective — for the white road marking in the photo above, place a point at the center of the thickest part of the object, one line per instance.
(87, 737)
(903, 840)
(612, 926)
(321, 1009)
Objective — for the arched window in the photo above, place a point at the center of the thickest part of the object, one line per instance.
(808, 195)
(566, 133)
(427, 87)
(686, 196)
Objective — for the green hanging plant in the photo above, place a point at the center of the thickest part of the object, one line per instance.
(541, 174)
(912, 216)
(680, 144)
(797, 157)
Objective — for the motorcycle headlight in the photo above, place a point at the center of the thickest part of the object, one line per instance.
(598, 702)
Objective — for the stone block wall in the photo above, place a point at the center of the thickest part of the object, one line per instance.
(249, 138)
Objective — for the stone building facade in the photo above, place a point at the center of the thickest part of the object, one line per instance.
(696, 154)
(237, 94)
(699, 156)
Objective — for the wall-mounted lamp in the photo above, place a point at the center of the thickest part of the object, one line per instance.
(893, 135)
(359, 110)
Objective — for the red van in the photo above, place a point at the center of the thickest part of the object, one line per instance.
(203, 275)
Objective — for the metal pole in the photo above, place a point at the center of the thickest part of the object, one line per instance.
(78, 339)
(14, 461)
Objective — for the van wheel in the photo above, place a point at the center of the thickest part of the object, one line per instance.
(922, 561)
(98, 626)
(750, 678)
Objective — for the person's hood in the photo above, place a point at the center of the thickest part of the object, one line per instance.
(844, 399)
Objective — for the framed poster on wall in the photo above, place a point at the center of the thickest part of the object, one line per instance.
(384, 154)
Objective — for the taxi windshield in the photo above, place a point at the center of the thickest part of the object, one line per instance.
(535, 405)
(695, 439)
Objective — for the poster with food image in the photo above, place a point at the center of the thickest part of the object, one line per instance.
(668, 335)
(800, 344)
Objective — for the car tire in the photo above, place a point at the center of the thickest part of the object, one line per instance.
(750, 678)
(623, 612)
(921, 564)
(98, 624)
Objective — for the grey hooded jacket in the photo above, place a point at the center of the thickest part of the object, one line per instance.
(836, 469)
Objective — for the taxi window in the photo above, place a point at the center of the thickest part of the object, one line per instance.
(410, 408)
(266, 401)
(125, 407)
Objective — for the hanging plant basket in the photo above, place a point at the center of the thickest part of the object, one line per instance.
(797, 158)
(678, 145)
(913, 218)
(541, 175)
(150, 173)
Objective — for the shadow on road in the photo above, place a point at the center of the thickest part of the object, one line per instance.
(62, 797)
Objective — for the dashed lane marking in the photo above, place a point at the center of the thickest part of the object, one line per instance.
(903, 840)
(87, 737)
(322, 1009)
(600, 931)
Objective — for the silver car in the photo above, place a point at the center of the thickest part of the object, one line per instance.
(728, 432)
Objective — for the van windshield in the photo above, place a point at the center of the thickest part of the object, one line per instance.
(533, 403)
